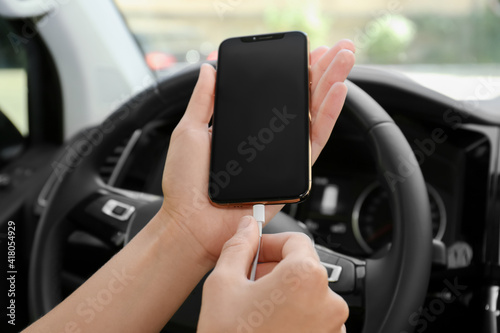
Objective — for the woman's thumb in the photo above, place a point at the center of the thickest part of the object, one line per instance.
(238, 252)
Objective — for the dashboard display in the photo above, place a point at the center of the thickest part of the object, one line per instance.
(372, 220)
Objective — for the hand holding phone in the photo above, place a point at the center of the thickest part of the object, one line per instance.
(185, 179)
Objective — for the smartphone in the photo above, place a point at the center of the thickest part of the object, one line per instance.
(260, 136)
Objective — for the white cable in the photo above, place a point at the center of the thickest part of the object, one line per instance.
(259, 213)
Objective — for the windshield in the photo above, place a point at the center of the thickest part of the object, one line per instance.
(434, 42)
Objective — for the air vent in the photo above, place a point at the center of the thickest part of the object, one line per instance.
(113, 164)
(109, 165)
(109, 170)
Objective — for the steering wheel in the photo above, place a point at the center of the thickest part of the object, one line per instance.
(389, 289)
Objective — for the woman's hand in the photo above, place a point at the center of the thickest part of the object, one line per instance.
(291, 293)
(186, 174)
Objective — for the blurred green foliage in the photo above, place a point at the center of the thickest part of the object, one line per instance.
(386, 39)
(470, 39)
(299, 15)
(432, 39)
(487, 36)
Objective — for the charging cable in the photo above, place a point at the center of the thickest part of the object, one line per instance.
(259, 213)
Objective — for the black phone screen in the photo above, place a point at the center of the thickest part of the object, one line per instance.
(260, 141)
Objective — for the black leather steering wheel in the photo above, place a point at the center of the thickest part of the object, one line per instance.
(390, 289)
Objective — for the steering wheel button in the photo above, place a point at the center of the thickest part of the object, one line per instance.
(346, 282)
(333, 271)
(118, 210)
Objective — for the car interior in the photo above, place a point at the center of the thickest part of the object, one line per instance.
(404, 195)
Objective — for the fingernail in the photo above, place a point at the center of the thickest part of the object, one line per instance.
(245, 222)
(202, 69)
(205, 66)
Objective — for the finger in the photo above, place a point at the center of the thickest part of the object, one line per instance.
(336, 72)
(299, 245)
(201, 104)
(272, 246)
(326, 117)
(264, 268)
(321, 65)
(317, 54)
(275, 247)
(238, 252)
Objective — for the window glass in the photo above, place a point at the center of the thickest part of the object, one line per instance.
(446, 37)
(13, 79)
